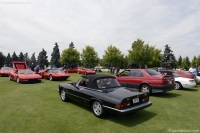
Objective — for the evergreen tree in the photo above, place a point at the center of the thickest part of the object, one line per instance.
(194, 62)
(188, 61)
(55, 56)
(8, 60)
(27, 59)
(14, 57)
(33, 59)
(42, 59)
(71, 45)
(21, 57)
(2, 59)
(198, 60)
(168, 60)
(179, 63)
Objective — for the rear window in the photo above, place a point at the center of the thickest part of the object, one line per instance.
(106, 83)
(152, 72)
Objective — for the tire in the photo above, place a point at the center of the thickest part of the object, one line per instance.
(63, 96)
(145, 88)
(50, 77)
(178, 86)
(17, 79)
(97, 109)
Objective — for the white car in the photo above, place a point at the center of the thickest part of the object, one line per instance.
(182, 82)
(197, 79)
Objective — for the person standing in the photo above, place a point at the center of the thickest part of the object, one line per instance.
(37, 69)
(193, 70)
(32, 66)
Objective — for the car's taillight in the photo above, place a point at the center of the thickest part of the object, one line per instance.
(123, 104)
(168, 81)
(145, 98)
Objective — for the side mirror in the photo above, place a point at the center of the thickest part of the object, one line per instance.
(117, 75)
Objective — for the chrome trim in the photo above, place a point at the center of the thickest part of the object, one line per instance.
(130, 109)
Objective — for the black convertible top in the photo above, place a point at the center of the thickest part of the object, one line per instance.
(92, 79)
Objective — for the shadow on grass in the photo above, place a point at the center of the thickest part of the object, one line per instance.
(27, 83)
(192, 89)
(128, 120)
(166, 95)
(131, 120)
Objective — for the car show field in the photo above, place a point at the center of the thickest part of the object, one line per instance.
(37, 108)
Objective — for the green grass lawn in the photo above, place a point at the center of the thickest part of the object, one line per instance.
(37, 108)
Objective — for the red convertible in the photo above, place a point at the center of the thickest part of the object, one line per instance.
(85, 71)
(54, 74)
(21, 73)
(146, 80)
(5, 71)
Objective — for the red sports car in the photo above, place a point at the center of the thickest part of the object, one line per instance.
(146, 80)
(72, 70)
(85, 71)
(54, 74)
(21, 73)
(5, 71)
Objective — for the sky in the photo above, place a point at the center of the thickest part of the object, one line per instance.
(31, 25)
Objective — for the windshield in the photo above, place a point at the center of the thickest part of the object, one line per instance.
(56, 71)
(6, 68)
(152, 72)
(26, 71)
(107, 83)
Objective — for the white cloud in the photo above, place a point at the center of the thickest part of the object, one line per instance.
(30, 26)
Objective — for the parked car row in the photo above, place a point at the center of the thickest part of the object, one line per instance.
(80, 71)
(21, 73)
(182, 79)
(125, 93)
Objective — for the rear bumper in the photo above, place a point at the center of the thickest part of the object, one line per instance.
(30, 80)
(189, 86)
(159, 89)
(128, 110)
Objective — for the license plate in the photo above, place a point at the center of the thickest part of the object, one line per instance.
(135, 100)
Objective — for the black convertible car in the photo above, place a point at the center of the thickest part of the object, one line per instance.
(104, 94)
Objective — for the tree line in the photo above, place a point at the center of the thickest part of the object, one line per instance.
(141, 55)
